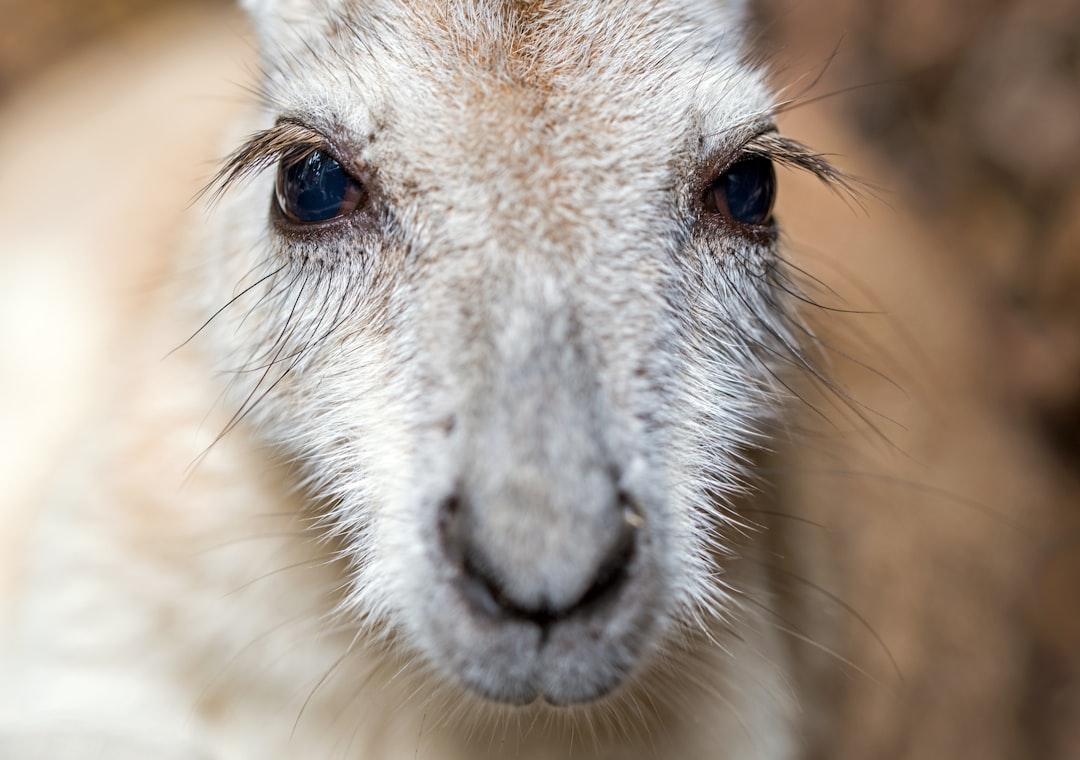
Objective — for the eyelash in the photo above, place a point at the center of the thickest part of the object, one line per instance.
(263, 150)
(292, 140)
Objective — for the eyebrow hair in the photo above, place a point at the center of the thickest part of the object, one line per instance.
(288, 137)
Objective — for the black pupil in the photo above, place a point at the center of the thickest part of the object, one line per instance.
(750, 189)
(314, 188)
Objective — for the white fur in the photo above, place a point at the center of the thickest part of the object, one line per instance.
(541, 280)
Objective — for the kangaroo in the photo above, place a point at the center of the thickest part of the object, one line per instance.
(494, 322)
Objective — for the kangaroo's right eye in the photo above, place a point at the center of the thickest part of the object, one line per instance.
(744, 193)
(315, 188)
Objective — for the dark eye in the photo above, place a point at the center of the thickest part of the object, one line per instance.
(314, 188)
(744, 193)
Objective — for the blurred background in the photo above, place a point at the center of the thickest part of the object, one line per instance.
(940, 496)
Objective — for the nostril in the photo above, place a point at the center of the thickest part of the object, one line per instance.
(631, 510)
(483, 589)
(483, 592)
(612, 574)
(450, 528)
(479, 587)
(503, 576)
(449, 510)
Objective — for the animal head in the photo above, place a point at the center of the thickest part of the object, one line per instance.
(504, 281)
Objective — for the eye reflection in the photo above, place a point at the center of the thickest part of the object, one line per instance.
(745, 193)
(315, 188)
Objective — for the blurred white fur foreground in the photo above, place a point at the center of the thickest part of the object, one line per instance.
(442, 408)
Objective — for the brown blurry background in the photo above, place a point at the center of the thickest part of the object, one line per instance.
(940, 500)
(961, 539)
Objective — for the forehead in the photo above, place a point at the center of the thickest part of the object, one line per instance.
(496, 67)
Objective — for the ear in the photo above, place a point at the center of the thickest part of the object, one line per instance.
(277, 21)
(259, 10)
(262, 13)
(264, 10)
(737, 8)
(737, 11)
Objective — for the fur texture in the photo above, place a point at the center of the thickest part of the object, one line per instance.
(531, 342)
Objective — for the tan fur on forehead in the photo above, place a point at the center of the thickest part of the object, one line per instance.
(549, 33)
(438, 65)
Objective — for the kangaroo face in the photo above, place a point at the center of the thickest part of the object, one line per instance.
(508, 293)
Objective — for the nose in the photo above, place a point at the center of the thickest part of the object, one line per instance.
(529, 562)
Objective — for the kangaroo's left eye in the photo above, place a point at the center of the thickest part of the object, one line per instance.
(314, 188)
(744, 193)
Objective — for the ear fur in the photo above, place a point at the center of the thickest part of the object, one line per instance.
(262, 13)
(259, 9)
(735, 12)
(277, 21)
